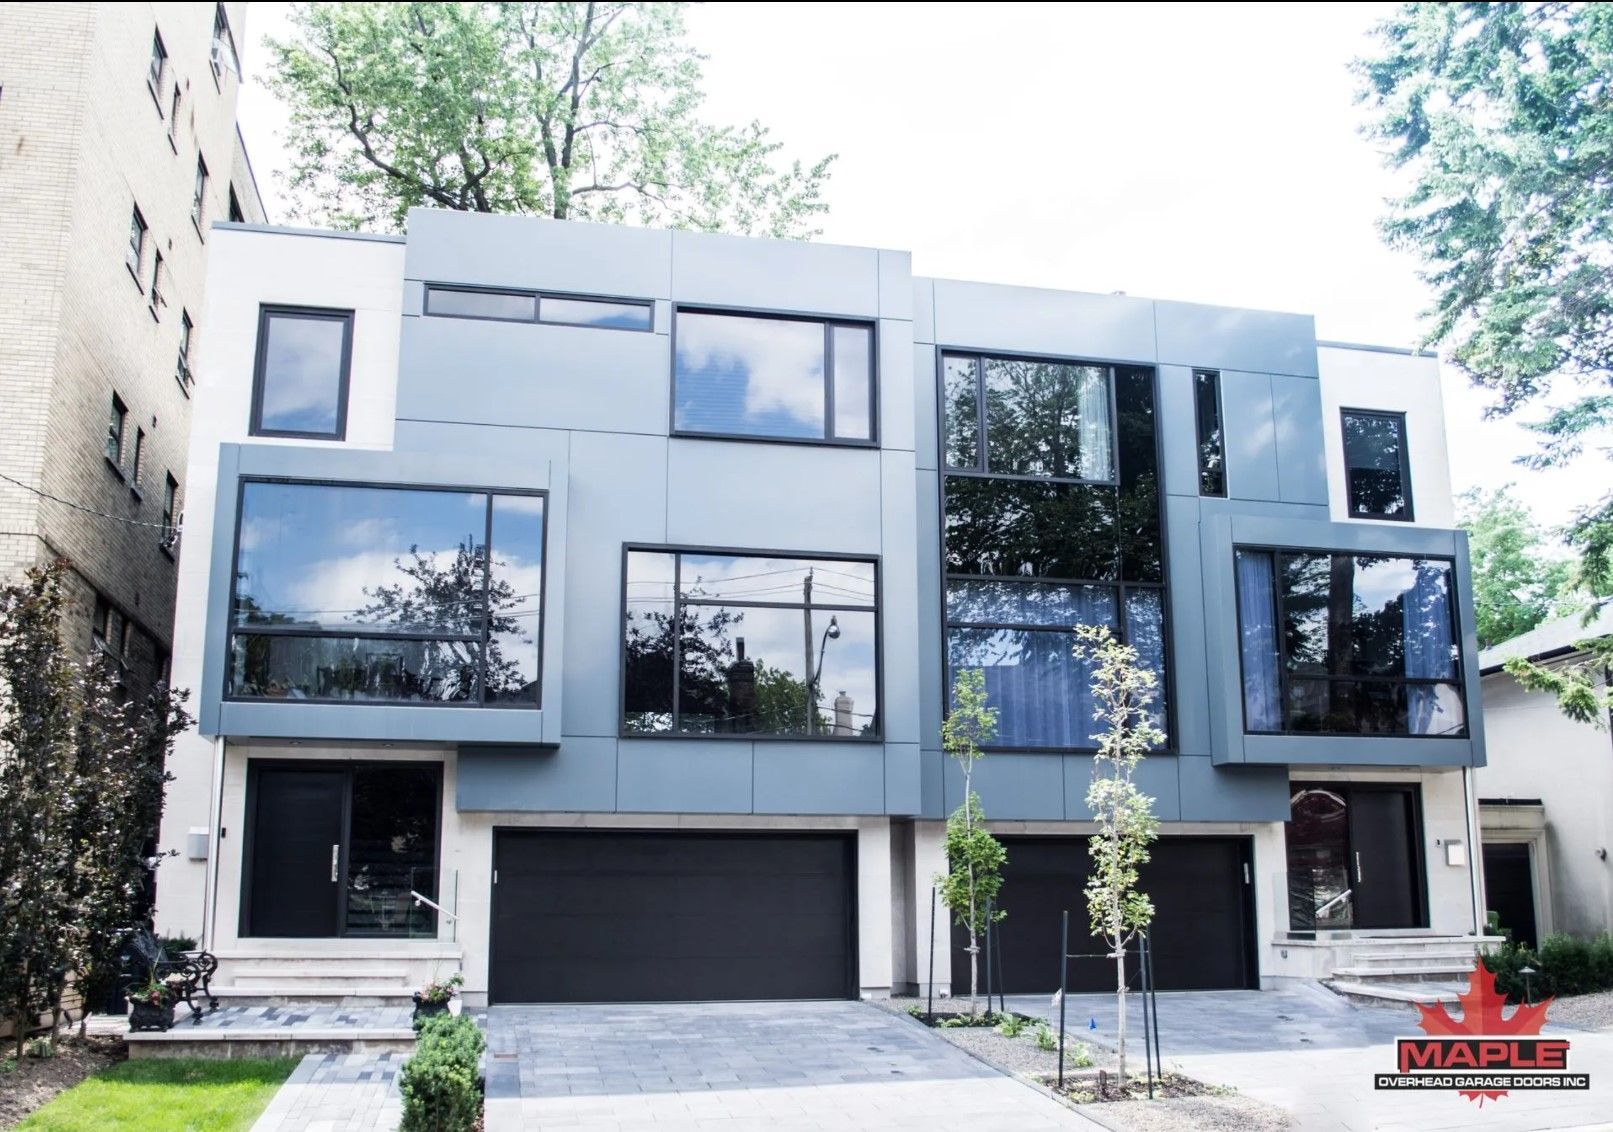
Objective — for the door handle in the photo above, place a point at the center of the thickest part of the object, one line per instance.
(336, 857)
(1357, 867)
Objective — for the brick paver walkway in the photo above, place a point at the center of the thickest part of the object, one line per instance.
(337, 1092)
(707, 1066)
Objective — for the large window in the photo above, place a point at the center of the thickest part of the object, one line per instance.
(300, 388)
(397, 595)
(1052, 521)
(1352, 644)
(773, 378)
(1377, 472)
(750, 644)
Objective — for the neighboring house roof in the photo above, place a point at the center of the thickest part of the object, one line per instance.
(1554, 638)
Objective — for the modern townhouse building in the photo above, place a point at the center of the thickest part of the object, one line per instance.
(118, 151)
(601, 588)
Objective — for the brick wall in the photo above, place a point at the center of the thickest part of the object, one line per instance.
(83, 140)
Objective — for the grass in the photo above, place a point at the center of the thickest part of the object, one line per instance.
(166, 1095)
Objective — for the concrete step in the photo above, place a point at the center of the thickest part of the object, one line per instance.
(333, 993)
(1421, 972)
(1426, 993)
(333, 971)
(1385, 961)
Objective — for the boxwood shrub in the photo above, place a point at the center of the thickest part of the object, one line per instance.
(439, 1083)
(1564, 964)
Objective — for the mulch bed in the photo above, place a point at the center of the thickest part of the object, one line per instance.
(1090, 1087)
(27, 1084)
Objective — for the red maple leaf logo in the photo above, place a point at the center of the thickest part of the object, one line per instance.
(1482, 1016)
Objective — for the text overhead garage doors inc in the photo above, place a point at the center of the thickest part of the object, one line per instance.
(667, 917)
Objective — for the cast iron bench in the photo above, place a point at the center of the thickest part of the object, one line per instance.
(189, 973)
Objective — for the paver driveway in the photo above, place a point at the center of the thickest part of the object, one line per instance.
(778, 1066)
(1314, 1054)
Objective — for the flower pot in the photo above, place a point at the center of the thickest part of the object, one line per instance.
(151, 1016)
(423, 1009)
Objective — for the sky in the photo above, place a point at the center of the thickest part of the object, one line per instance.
(1199, 152)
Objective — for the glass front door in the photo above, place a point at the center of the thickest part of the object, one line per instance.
(335, 849)
(1354, 857)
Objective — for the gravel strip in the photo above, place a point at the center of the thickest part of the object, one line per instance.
(1020, 1057)
(1588, 1011)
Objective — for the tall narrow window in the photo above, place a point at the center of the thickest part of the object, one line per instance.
(116, 422)
(155, 295)
(182, 366)
(1212, 450)
(236, 215)
(198, 196)
(223, 53)
(136, 466)
(157, 70)
(773, 378)
(173, 117)
(170, 509)
(302, 369)
(135, 255)
(103, 624)
(1376, 467)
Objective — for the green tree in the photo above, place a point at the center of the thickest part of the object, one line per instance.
(575, 111)
(975, 858)
(1517, 583)
(1124, 693)
(1499, 116)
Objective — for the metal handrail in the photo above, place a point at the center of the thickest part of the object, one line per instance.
(1339, 899)
(421, 898)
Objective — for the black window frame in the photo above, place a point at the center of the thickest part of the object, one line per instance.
(982, 466)
(223, 40)
(1459, 680)
(1398, 416)
(1212, 481)
(267, 312)
(1119, 584)
(198, 203)
(170, 512)
(829, 323)
(136, 262)
(137, 463)
(116, 437)
(187, 332)
(155, 296)
(482, 703)
(878, 609)
(176, 100)
(537, 297)
(237, 214)
(157, 69)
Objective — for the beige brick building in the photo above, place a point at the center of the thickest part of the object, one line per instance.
(118, 150)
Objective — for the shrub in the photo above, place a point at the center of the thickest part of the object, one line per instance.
(1565, 964)
(438, 1083)
(1045, 1038)
(1506, 961)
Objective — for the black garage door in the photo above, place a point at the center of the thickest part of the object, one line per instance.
(1203, 919)
(665, 917)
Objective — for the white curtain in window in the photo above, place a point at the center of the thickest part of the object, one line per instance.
(1092, 406)
(1257, 618)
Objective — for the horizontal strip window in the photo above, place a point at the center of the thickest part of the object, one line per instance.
(1021, 636)
(743, 644)
(358, 592)
(534, 306)
(1348, 644)
(773, 377)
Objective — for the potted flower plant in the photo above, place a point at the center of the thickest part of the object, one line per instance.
(434, 997)
(151, 1007)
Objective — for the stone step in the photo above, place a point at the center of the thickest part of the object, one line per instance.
(185, 1040)
(322, 972)
(1426, 993)
(1411, 958)
(287, 994)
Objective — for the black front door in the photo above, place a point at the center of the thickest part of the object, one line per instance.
(1383, 841)
(296, 840)
(339, 848)
(1509, 889)
(1354, 857)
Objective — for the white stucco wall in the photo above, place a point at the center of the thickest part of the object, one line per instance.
(1360, 378)
(1537, 752)
(249, 269)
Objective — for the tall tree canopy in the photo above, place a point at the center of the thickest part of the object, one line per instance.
(575, 111)
(1501, 117)
(1517, 581)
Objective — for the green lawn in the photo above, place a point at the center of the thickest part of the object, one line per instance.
(163, 1095)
